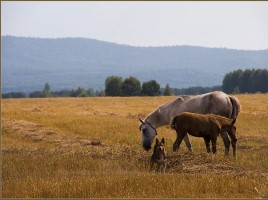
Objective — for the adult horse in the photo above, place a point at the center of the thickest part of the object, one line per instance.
(217, 103)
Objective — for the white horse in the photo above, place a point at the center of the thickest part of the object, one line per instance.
(217, 103)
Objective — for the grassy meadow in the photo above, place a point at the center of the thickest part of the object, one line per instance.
(91, 148)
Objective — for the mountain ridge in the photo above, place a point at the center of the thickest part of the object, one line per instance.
(27, 63)
(128, 45)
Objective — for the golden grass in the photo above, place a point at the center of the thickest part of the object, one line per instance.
(47, 152)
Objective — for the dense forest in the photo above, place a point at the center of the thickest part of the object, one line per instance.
(247, 81)
(238, 81)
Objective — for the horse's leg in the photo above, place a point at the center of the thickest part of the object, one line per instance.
(187, 142)
(177, 143)
(226, 142)
(207, 142)
(233, 142)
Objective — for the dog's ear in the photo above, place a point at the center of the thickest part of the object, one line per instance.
(163, 140)
(156, 141)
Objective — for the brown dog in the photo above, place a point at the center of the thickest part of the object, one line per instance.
(159, 156)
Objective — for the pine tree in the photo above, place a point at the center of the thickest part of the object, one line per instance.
(46, 91)
(168, 91)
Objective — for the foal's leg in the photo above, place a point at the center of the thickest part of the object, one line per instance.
(207, 142)
(233, 142)
(226, 142)
(177, 143)
(214, 143)
(187, 142)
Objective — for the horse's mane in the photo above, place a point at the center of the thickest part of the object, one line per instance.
(179, 98)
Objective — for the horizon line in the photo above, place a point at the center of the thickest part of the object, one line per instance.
(135, 46)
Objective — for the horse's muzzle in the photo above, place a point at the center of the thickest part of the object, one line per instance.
(147, 147)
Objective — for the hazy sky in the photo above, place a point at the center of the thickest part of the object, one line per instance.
(238, 25)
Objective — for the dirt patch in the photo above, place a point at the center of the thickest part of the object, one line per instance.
(39, 133)
(195, 162)
(64, 144)
(36, 110)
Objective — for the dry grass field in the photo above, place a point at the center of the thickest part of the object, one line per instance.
(91, 147)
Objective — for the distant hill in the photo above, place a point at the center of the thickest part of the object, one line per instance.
(27, 63)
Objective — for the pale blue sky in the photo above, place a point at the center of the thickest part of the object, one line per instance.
(237, 25)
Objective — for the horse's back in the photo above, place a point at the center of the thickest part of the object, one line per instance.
(217, 103)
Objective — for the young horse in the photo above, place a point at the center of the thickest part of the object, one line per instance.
(207, 126)
(159, 156)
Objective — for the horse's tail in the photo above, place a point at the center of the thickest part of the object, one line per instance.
(236, 107)
(173, 124)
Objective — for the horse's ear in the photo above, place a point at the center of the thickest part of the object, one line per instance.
(156, 140)
(163, 140)
(141, 121)
(233, 122)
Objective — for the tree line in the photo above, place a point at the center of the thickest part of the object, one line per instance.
(131, 86)
(247, 81)
(114, 86)
(46, 92)
(196, 90)
(238, 81)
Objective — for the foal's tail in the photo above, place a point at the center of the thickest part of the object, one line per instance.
(173, 123)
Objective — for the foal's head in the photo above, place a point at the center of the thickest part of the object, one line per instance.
(230, 128)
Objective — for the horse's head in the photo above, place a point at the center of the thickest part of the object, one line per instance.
(148, 134)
